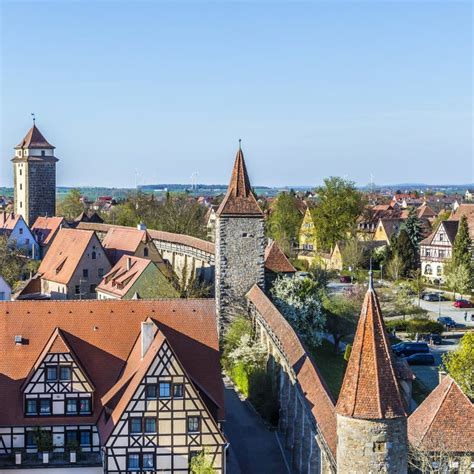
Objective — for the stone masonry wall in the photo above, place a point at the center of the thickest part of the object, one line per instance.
(240, 249)
(41, 195)
(371, 446)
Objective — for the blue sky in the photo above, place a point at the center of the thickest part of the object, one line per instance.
(313, 89)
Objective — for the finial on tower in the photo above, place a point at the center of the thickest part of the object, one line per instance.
(240, 144)
(371, 276)
(34, 118)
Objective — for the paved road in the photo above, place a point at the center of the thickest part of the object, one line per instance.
(252, 445)
(446, 308)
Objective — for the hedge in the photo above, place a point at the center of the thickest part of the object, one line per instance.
(413, 326)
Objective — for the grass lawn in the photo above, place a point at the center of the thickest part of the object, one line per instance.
(332, 366)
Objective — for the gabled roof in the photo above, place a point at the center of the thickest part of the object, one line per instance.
(444, 421)
(239, 199)
(391, 226)
(45, 228)
(8, 220)
(102, 335)
(450, 229)
(123, 275)
(34, 139)
(65, 253)
(57, 344)
(370, 389)
(276, 260)
(121, 241)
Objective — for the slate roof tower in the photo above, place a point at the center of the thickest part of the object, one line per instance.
(240, 245)
(34, 171)
(371, 412)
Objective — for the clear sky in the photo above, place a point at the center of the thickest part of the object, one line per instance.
(313, 89)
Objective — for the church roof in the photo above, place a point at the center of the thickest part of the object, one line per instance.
(34, 139)
(239, 199)
(370, 389)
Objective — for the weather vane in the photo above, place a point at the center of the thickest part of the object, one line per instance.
(33, 115)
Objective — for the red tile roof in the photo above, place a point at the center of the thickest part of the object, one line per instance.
(121, 241)
(45, 228)
(65, 253)
(444, 421)
(276, 261)
(34, 139)
(370, 389)
(123, 275)
(8, 220)
(317, 395)
(102, 335)
(239, 199)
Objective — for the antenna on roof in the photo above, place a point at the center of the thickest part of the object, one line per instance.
(34, 118)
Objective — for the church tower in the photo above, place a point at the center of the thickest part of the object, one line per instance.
(371, 413)
(34, 171)
(240, 245)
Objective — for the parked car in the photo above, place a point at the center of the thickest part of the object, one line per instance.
(462, 304)
(405, 349)
(345, 279)
(434, 297)
(420, 359)
(447, 321)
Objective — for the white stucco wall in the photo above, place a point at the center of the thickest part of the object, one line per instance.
(59, 470)
(24, 239)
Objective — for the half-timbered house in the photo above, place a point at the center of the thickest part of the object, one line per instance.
(125, 386)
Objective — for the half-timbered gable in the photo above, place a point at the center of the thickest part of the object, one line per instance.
(58, 384)
(157, 419)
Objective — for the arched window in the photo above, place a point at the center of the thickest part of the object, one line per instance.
(94, 255)
(428, 270)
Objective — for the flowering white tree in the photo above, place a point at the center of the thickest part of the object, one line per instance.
(250, 353)
(299, 301)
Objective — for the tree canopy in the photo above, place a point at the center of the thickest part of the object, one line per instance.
(340, 203)
(71, 206)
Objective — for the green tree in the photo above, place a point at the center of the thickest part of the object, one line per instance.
(284, 222)
(341, 317)
(353, 254)
(405, 249)
(12, 262)
(414, 231)
(299, 301)
(71, 206)
(394, 266)
(462, 245)
(442, 216)
(418, 283)
(460, 364)
(201, 464)
(340, 203)
(458, 277)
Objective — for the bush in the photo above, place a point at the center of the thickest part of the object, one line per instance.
(240, 377)
(413, 326)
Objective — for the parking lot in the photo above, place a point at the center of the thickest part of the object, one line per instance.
(446, 308)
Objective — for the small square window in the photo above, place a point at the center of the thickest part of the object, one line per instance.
(100, 272)
(31, 407)
(135, 425)
(194, 424)
(148, 463)
(77, 289)
(45, 406)
(85, 405)
(65, 373)
(133, 462)
(150, 391)
(150, 425)
(85, 272)
(379, 447)
(71, 405)
(51, 373)
(178, 390)
(71, 436)
(21, 230)
(85, 438)
(30, 439)
(165, 389)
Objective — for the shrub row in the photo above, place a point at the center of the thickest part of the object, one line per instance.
(416, 325)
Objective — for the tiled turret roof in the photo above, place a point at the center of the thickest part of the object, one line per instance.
(34, 139)
(370, 389)
(239, 199)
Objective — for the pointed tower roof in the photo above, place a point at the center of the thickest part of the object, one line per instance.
(370, 389)
(239, 199)
(34, 139)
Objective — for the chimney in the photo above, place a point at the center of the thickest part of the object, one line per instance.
(141, 226)
(129, 263)
(147, 336)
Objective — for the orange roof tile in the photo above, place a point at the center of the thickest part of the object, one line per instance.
(65, 253)
(8, 220)
(239, 199)
(121, 241)
(276, 261)
(45, 228)
(34, 139)
(444, 421)
(370, 389)
(102, 335)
